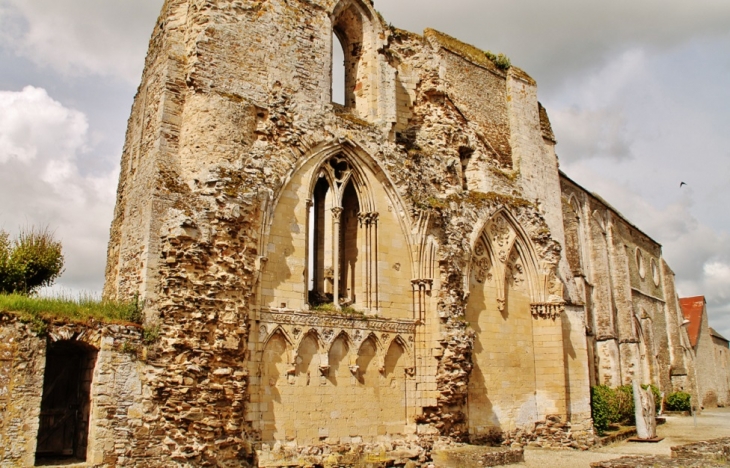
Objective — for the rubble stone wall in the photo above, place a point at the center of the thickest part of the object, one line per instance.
(122, 415)
(455, 281)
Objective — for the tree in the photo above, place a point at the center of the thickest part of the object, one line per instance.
(31, 261)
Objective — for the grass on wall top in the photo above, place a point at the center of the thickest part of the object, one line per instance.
(64, 307)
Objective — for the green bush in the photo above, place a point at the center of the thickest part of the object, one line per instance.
(31, 261)
(602, 397)
(500, 60)
(625, 405)
(679, 401)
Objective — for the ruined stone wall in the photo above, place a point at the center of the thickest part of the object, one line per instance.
(212, 231)
(122, 415)
(631, 304)
(682, 372)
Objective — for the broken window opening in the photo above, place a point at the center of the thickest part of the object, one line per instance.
(348, 28)
(465, 154)
(337, 89)
(65, 407)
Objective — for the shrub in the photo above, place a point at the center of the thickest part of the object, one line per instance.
(679, 401)
(31, 261)
(500, 60)
(625, 405)
(602, 397)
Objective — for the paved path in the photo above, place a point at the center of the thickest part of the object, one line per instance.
(677, 431)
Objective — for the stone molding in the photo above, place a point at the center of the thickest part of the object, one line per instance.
(313, 319)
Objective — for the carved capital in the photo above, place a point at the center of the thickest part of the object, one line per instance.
(410, 371)
(336, 213)
(354, 369)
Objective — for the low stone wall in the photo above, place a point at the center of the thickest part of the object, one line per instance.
(707, 454)
(716, 449)
(121, 412)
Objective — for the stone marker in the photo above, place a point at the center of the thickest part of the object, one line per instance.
(645, 412)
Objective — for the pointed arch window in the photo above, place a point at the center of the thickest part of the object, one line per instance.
(342, 239)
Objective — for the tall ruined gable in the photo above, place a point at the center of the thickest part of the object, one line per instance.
(339, 274)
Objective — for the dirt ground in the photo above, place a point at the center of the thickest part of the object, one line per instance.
(711, 424)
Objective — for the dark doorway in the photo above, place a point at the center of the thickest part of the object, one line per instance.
(64, 421)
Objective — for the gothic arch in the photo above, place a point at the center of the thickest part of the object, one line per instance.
(288, 236)
(376, 341)
(500, 237)
(268, 335)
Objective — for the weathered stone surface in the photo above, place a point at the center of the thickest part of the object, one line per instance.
(645, 412)
(343, 284)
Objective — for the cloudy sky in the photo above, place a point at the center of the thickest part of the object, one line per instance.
(638, 92)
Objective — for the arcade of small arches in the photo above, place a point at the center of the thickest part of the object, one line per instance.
(325, 339)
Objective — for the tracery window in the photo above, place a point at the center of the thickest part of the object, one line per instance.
(342, 240)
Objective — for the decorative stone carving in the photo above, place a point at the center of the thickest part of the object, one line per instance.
(332, 321)
(501, 235)
(482, 269)
(547, 310)
(515, 270)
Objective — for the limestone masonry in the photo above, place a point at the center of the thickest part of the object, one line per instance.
(337, 285)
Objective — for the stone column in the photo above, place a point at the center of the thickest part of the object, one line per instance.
(336, 215)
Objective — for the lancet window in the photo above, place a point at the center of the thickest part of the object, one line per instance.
(343, 232)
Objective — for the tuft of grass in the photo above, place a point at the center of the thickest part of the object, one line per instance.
(329, 308)
(39, 310)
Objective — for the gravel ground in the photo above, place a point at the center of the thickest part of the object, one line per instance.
(678, 430)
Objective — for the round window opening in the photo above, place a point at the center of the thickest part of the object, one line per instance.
(640, 263)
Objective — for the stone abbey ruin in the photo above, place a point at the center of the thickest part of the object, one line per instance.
(331, 285)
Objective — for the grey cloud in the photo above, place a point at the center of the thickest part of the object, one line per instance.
(699, 255)
(552, 40)
(47, 188)
(81, 36)
(589, 133)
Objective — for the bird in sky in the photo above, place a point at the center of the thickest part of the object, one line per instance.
(681, 184)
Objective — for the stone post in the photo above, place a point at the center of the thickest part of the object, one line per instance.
(645, 412)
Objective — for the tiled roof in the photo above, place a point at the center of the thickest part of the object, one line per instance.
(692, 309)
